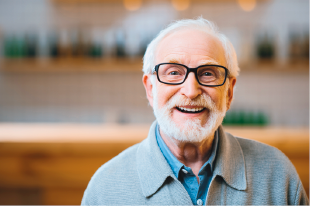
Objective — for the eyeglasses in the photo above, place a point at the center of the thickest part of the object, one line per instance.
(206, 75)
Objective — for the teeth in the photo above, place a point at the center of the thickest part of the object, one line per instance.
(191, 109)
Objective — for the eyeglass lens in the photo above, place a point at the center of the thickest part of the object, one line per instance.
(207, 75)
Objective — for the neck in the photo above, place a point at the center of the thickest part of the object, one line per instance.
(191, 154)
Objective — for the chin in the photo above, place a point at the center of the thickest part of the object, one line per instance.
(191, 130)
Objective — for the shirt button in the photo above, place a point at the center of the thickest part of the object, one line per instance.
(199, 202)
(184, 170)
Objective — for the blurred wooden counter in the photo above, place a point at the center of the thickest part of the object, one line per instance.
(52, 163)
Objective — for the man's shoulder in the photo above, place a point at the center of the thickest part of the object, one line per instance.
(259, 150)
(116, 178)
(269, 169)
(261, 158)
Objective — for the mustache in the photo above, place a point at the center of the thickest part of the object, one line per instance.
(202, 100)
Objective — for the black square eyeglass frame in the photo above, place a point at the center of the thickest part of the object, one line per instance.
(192, 70)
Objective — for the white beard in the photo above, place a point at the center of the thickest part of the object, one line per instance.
(191, 130)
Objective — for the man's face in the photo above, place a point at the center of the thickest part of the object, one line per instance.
(191, 48)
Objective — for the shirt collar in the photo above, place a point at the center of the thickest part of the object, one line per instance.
(153, 169)
(174, 163)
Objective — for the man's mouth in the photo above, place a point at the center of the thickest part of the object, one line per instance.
(190, 110)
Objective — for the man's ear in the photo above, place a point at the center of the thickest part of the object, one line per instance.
(146, 79)
(230, 92)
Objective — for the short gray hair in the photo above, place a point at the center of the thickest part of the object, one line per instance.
(199, 24)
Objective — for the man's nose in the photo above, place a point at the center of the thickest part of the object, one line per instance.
(191, 88)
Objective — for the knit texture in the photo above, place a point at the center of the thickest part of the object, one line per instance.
(246, 173)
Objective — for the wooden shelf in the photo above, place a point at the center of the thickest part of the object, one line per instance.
(71, 65)
(290, 139)
(273, 66)
(49, 65)
(70, 132)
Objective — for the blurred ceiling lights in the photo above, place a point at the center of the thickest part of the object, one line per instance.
(180, 5)
(132, 5)
(247, 5)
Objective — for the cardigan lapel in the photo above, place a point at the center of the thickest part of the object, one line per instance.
(229, 162)
(153, 169)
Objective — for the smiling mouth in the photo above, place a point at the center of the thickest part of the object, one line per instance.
(190, 110)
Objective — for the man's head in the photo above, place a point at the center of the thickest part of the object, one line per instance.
(190, 110)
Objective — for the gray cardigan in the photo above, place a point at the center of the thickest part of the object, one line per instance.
(246, 172)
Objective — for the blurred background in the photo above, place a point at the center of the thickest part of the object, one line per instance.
(71, 95)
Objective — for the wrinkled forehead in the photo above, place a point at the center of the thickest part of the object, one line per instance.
(190, 45)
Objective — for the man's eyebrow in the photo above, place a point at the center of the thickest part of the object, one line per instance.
(205, 62)
(208, 62)
(174, 61)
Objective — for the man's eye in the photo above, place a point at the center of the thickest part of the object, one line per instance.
(207, 74)
(174, 73)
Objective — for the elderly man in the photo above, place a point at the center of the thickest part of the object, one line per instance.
(190, 71)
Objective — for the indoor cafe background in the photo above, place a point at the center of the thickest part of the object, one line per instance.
(71, 89)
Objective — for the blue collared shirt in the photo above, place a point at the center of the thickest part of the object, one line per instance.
(197, 191)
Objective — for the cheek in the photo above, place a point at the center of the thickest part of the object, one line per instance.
(217, 95)
(165, 93)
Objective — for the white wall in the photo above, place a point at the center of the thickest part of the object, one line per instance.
(103, 97)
